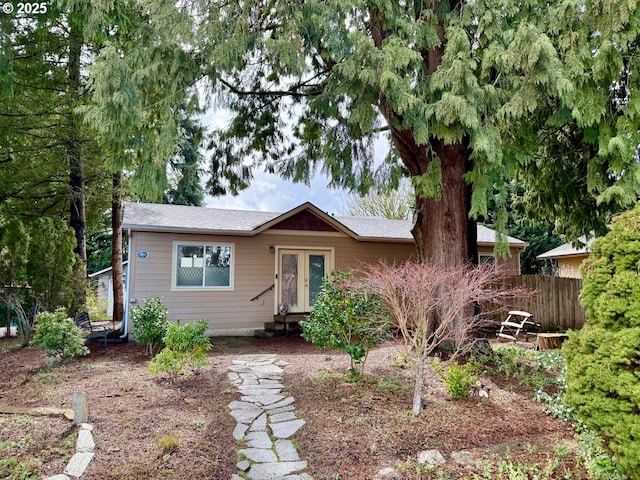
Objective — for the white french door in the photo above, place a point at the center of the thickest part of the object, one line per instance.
(300, 274)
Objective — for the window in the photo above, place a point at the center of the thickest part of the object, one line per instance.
(203, 266)
(484, 258)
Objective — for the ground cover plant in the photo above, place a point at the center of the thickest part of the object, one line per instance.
(146, 426)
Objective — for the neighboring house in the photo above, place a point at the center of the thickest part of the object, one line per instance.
(569, 258)
(103, 283)
(235, 268)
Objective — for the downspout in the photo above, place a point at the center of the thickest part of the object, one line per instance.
(125, 320)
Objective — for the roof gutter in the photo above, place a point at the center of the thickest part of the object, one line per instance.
(207, 231)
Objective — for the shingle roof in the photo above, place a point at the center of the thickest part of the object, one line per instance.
(568, 250)
(179, 218)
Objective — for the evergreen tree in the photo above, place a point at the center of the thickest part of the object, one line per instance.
(187, 186)
(469, 94)
(603, 357)
(50, 158)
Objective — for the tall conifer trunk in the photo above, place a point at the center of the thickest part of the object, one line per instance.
(116, 248)
(77, 215)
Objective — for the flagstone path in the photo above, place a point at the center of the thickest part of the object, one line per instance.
(266, 421)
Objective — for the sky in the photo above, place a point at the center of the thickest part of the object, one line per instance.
(270, 193)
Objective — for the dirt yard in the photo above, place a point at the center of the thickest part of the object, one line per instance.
(147, 427)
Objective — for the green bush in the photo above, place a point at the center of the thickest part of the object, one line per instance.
(58, 336)
(341, 319)
(603, 359)
(150, 323)
(459, 378)
(185, 347)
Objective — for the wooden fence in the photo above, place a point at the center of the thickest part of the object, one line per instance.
(554, 304)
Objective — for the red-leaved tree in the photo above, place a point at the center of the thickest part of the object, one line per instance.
(430, 304)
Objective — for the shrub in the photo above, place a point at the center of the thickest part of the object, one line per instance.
(58, 336)
(431, 305)
(185, 347)
(603, 358)
(150, 323)
(342, 318)
(459, 378)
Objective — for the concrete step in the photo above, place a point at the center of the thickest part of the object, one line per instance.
(273, 326)
(290, 318)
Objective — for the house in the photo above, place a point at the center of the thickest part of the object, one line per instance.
(235, 268)
(569, 258)
(102, 282)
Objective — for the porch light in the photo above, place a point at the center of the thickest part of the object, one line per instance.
(272, 249)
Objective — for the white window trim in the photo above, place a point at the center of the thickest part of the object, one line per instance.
(174, 265)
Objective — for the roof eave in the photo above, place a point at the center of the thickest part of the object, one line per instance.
(384, 239)
(208, 231)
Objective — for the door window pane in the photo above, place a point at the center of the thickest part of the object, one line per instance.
(289, 279)
(316, 274)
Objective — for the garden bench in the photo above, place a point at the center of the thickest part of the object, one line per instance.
(91, 331)
(517, 322)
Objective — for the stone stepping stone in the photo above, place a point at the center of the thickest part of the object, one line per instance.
(286, 451)
(240, 430)
(268, 381)
(464, 457)
(85, 443)
(78, 464)
(287, 408)
(246, 415)
(282, 417)
(267, 368)
(433, 457)
(286, 429)
(260, 455)
(258, 390)
(272, 471)
(283, 403)
(258, 440)
(261, 387)
(266, 399)
(237, 405)
(259, 424)
(258, 357)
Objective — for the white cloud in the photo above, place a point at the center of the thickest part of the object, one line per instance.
(270, 193)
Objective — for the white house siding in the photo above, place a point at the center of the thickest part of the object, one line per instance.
(254, 271)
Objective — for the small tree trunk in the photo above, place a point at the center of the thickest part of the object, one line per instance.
(419, 385)
(7, 305)
(116, 248)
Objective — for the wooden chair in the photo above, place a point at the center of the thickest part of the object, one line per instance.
(517, 322)
(92, 331)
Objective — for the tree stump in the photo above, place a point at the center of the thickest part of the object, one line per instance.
(549, 341)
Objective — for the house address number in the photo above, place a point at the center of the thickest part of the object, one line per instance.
(142, 254)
